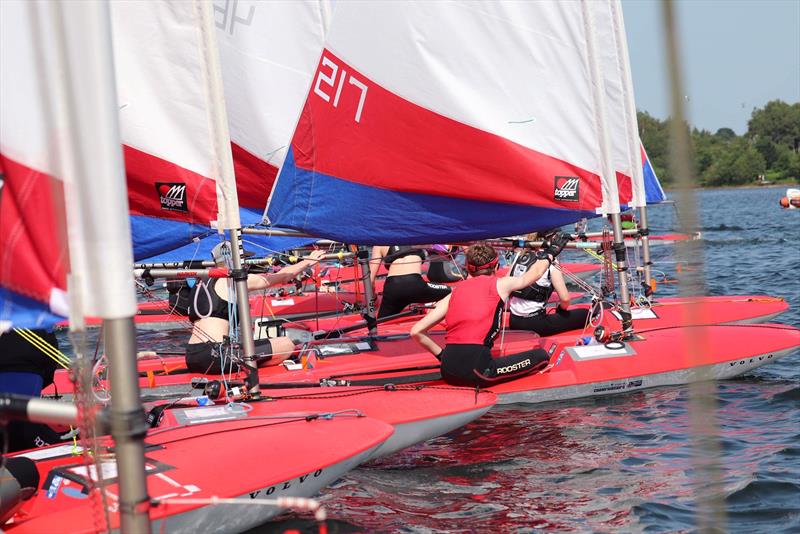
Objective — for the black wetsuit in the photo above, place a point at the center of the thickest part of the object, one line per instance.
(401, 290)
(180, 294)
(26, 370)
(213, 357)
(541, 322)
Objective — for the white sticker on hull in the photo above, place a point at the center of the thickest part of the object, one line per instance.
(638, 314)
(593, 352)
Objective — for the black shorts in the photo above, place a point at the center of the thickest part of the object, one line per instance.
(205, 358)
(473, 365)
(400, 291)
(18, 355)
(550, 324)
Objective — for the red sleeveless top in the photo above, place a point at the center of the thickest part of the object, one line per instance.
(475, 312)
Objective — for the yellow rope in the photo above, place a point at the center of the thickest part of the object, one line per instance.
(46, 348)
(598, 257)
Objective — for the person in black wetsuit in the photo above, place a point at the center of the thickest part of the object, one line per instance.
(26, 370)
(208, 312)
(404, 284)
(528, 305)
(474, 313)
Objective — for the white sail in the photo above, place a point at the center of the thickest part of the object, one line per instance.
(177, 186)
(48, 103)
(268, 51)
(490, 103)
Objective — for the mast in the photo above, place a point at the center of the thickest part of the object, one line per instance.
(634, 149)
(226, 184)
(99, 230)
(610, 190)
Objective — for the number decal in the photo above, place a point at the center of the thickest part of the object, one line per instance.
(327, 79)
(330, 80)
(363, 97)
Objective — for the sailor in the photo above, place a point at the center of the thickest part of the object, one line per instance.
(528, 305)
(474, 312)
(404, 284)
(27, 369)
(210, 317)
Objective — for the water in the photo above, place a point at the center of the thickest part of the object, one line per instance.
(619, 463)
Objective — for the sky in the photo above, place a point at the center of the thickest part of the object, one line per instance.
(736, 54)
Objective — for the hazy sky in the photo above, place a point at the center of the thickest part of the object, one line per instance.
(737, 55)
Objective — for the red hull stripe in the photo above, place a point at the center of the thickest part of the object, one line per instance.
(400, 146)
(33, 252)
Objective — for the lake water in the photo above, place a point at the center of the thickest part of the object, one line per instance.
(614, 464)
(621, 463)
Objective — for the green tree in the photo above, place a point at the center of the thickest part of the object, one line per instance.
(737, 162)
(725, 134)
(777, 122)
(654, 136)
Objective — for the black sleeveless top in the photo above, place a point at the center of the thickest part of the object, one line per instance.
(218, 307)
(533, 292)
(401, 251)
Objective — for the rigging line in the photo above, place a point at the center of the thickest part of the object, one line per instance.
(46, 348)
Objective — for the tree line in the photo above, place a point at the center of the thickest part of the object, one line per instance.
(770, 148)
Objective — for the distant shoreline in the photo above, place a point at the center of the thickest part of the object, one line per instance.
(779, 185)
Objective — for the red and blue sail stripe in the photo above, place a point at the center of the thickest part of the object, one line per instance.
(368, 166)
(33, 253)
(654, 194)
(171, 206)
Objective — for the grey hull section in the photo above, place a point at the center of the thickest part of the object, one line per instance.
(720, 371)
(408, 434)
(242, 517)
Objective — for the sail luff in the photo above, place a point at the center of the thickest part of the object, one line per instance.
(596, 82)
(611, 203)
(226, 181)
(221, 156)
(634, 144)
(639, 198)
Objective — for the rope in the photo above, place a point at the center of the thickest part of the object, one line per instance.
(44, 346)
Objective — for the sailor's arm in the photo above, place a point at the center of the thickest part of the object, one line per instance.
(420, 330)
(557, 279)
(378, 252)
(256, 282)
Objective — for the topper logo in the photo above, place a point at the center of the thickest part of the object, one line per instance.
(172, 196)
(567, 188)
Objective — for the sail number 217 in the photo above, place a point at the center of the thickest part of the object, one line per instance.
(335, 78)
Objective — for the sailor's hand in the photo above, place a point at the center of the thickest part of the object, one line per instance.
(556, 244)
(315, 255)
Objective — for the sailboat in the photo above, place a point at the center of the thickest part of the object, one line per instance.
(423, 414)
(306, 181)
(433, 151)
(60, 138)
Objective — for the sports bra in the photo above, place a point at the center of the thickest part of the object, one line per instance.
(401, 251)
(218, 305)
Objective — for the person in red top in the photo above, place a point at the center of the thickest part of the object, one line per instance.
(474, 313)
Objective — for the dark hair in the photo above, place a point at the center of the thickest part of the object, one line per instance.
(481, 259)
